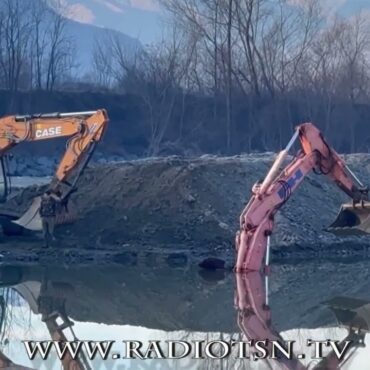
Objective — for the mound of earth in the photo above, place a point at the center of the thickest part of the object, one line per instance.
(195, 203)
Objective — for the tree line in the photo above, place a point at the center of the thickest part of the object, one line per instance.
(228, 75)
(35, 52)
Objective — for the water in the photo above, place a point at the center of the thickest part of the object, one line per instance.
(183, 303)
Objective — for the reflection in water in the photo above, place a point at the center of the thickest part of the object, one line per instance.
(48, 300)
(172, 303)
(5, 362)
(254, 320)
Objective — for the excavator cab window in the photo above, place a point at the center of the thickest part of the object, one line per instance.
(4, 180)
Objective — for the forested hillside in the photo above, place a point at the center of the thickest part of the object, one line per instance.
(193, 130)
(228, 77)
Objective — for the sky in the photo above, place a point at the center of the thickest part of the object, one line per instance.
(141, 18)
(136, 18)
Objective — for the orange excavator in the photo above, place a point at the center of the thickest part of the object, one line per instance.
(85, 130)
(257, 218)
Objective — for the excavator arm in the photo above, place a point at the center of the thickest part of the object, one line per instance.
(257, 219)
(84, 129)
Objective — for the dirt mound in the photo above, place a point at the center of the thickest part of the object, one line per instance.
(195, 203)
(168, 201)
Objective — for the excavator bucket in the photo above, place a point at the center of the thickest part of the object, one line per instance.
(31, 219)
(352, 220)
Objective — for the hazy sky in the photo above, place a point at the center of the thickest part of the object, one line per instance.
(137, 18)
(141, 18)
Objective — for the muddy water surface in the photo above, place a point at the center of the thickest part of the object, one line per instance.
(180, 302)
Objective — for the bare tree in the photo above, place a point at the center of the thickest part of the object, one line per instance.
(157, 81)
(14, 41)
(354, 46)
(112, 57)
(155, 75)
(102, 64)
(39, 41)
(254, 68)
(229, 26)
(210, 23)
(60, 48)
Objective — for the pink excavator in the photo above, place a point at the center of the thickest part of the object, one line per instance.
(254, 321)
(257, 218)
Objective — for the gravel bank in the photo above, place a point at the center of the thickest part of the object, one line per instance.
(194, 205)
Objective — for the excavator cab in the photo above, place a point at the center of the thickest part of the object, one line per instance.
(4, 180)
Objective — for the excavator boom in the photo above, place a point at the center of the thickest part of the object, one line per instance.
(84, 129)
(257, 219)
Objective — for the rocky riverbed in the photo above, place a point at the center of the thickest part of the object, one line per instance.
(192, 206)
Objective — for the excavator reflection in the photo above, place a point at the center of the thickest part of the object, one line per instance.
(5, 362)
(254, 321)
(48, 299)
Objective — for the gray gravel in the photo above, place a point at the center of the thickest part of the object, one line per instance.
(194, 205)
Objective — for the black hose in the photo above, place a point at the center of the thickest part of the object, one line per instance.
(287, 191)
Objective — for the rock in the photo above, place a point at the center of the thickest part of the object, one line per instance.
(212, 263)
(126, 258)
(190, 198)
(177, 260)
(223, 225)
(212, 276)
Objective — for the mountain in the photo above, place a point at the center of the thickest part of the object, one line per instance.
(141, 18)
(85, 36)
(38, 18)
(137, 18)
